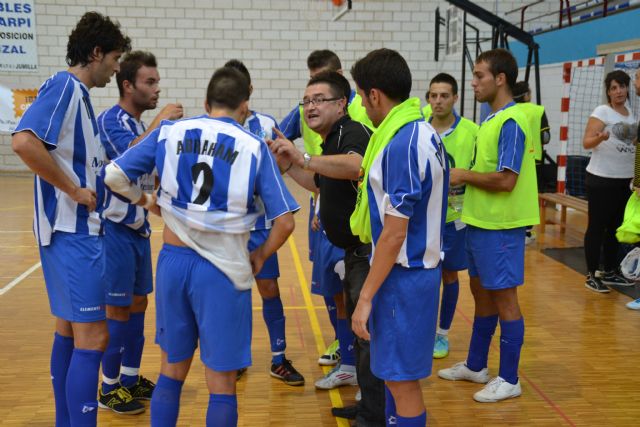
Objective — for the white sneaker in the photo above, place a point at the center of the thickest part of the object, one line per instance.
(359, 395)
(634, 305)
(459, 371)
(498, 389)
(337, 377)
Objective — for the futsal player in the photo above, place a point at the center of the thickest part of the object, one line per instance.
(57, 138)
(263, 126)
(401, 209)
(210, 169)
(458, 136)
(128, 276)
(500, 201)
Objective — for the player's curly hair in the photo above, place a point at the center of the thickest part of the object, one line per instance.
(95, 30)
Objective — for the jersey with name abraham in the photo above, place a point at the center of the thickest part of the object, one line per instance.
(211, 171)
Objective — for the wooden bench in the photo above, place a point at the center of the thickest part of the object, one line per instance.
(564, 201)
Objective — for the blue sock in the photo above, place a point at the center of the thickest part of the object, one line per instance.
(390, 414)
(60, 358)
(165, 402)
(449, 301)
(273, 314)
(330, 302)
(419, 421)
(511, 339)
(82, 383)
(133, 346)
(346, 338)
(222, 411)
(113, 354)
(483, 329)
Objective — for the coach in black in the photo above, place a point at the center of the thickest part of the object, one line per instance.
(335, 174)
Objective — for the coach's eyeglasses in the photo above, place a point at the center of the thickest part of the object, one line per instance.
(316, 101)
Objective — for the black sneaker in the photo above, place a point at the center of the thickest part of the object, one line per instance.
(287, 373)
(615, 278)
(239, 373)
(120, 402)
(594, 284)
(142, 390)
(349, 412)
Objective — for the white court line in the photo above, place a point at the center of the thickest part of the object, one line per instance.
(19, 279)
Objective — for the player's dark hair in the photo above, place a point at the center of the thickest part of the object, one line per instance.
(238, 65)
(619, 77)
(385, 70)
(501, 61)
(338, 84)
(445, 78)
(323, 59)
(95, 30)
(520, 89)
(130, 65)
(228, 88)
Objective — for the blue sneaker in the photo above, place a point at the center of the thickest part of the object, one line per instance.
(634, 305)
(441, 348)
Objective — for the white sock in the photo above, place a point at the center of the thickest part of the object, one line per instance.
(110, 381)
(442, 332)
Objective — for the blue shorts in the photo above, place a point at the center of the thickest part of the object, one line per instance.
(128, 259)
(453, 245)
(325, 280)
(270, 269)
(74, 270)
(195, 300)
(312, 235)
(403, 324)
(496, 256)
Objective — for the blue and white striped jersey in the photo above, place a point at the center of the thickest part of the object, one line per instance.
(262, 126)
(63, 119)
(290, 125)
(410, 179)
(211, 173)
(117, 129)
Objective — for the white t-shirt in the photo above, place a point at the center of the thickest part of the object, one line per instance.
(613, 158)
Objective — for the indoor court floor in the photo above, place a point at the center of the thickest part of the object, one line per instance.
(580, 363)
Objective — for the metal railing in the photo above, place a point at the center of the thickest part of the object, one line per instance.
(569, 14)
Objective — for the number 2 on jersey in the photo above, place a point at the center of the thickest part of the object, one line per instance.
(207, 182)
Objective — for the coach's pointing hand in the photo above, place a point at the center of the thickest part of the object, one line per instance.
(285, 150)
